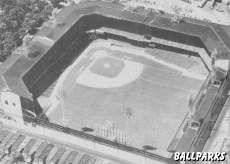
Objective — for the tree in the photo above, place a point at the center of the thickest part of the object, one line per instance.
(24, 48)
(26, 40)
(56, 3)
(18, 18)
(50, 23)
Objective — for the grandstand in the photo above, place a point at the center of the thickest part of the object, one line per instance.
(156, 72)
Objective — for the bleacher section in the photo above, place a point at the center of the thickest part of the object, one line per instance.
(191, 64)
(14, 144)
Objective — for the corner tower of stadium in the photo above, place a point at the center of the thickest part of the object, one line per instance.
(99, 35)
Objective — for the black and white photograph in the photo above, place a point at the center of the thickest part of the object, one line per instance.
(114, 82)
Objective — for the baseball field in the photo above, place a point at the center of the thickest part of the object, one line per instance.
(108, 79)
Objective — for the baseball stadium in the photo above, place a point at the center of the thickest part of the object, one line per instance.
(131, 79)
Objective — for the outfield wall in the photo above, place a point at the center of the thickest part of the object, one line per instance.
(142, 29)
(146, 44)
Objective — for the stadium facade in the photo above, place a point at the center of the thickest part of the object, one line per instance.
(24, 78)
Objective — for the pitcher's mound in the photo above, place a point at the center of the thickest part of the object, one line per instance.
(106, 65)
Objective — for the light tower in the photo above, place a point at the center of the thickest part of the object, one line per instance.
(213, 57)
(189, 117)
(62, 95)
(176, 15)
(128, 112)
(190, 101)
